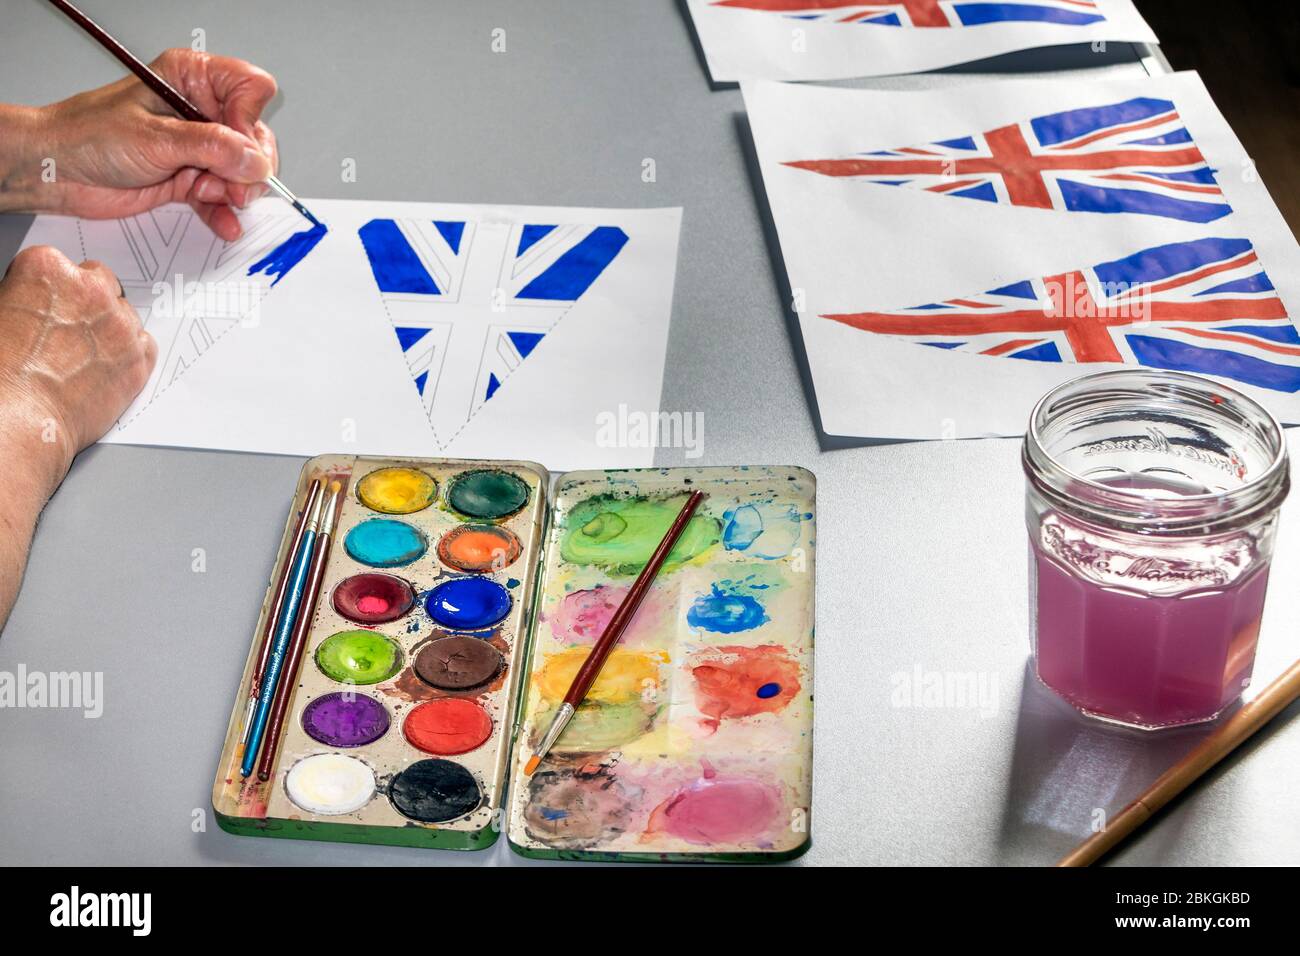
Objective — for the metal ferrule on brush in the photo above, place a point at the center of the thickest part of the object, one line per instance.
(562, 718)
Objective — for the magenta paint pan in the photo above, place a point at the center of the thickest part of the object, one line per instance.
(373, 598)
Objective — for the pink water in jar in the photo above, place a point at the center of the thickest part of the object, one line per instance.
(1151, 528)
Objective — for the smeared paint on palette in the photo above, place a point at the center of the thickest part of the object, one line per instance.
(695, 743)
(400, 726)
(619, 534)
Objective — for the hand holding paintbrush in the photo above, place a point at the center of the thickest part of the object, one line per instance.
(120, 153)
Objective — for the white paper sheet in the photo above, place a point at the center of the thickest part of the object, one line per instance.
(838, 39)
(500, 331)
(856, 247)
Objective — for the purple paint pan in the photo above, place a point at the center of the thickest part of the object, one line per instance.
(345, 719)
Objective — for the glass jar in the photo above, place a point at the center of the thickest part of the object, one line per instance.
(1152, 503)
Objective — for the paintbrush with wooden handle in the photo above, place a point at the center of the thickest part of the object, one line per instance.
(1270, 702)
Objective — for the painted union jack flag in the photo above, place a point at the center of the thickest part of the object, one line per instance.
(1202, 306)
(927, 13)
(1134, 157)
(470, 301)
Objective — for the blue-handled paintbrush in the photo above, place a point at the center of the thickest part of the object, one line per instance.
(283, 633)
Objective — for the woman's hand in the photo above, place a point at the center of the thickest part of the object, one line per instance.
(73, 355)
(120, 150)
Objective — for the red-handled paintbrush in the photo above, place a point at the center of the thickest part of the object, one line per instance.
(590, 669)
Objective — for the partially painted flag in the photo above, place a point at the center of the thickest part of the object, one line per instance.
(470, 301)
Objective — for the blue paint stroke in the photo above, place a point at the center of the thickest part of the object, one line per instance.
(1181, 357)
(1071, 124)
(1175, 258)
(974, 14)
(1047, 352)
(725, 613)
(1017, 290)
(289, 253)
(394, 263)
(1081, 197)
(744, 525)
(530, 236)
(572, 274)
(764, 529)
(408, 336)
(451, 231)
(525, 342)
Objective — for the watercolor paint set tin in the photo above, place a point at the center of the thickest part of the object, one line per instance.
(457, 606)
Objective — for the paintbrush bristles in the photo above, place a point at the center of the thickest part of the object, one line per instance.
(531, 767)
(332, 509)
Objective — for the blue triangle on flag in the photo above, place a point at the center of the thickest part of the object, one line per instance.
(451, 231)
(531, 234)
(525, 342)
(420, 381)
(408, 336)
(493, 384)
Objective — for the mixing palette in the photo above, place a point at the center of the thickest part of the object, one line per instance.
(695, 742)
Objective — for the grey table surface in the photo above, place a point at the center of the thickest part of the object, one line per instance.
(922, 553)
